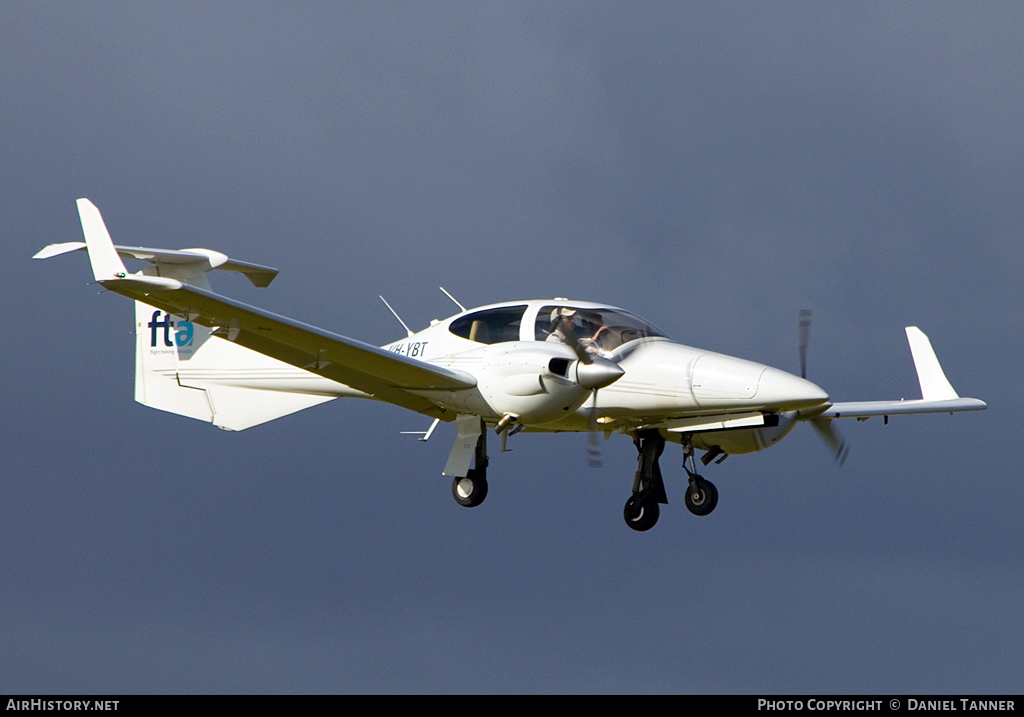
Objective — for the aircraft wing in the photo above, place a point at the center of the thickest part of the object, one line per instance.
(381, 374)
(866, 409)
(938, 395)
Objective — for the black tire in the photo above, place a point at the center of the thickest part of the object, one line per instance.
(641, 515)
(702, 500)
(469, 492)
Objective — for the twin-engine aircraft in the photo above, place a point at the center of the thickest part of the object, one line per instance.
(541, 365)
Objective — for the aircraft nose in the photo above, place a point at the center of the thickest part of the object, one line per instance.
(788, 392)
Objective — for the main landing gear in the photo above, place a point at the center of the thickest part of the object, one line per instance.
(471, 490)
(642, 509)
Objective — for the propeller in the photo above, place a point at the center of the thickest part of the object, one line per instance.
(600, 372)
(822, 426)
(575, 342)
(593, 446)
(831, 436)
(593, 372)
(803, 339)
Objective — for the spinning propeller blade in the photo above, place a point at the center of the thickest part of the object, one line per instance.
(593, 446)
(831, 436)
(596, 374)
(592, 372)
(803, 339)
(823, 426)
(576, 344)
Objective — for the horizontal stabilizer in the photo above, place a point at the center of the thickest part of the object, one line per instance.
(51, 250)
(174, 262)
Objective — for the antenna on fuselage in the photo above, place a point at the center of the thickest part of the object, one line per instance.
(408, 331)
(452, 298)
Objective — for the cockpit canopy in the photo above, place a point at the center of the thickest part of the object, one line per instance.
(490, 326)
(600, 329)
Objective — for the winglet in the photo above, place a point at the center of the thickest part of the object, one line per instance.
(934, 384)
(106, 264)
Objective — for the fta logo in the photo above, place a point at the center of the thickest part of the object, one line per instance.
(182, 336)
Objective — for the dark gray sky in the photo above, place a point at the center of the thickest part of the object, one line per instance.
(711, 167)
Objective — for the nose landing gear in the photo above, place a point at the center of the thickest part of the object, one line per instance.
(701, 495)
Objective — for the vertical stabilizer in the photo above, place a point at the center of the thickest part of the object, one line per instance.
(106, 264)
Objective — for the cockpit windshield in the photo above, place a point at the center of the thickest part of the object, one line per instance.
(600, 331)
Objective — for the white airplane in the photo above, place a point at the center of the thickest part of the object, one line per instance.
(540, 365)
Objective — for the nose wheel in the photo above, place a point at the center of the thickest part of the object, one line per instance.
(701, 496)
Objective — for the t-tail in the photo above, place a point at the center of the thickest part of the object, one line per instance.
(183, 367)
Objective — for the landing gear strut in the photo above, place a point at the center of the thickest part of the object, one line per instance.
(701, 495)
(641, 511)
(471, 490)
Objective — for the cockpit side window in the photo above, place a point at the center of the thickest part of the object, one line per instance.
(490, 326)
(599, 330)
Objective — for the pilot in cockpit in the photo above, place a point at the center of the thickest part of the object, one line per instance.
(567, 322)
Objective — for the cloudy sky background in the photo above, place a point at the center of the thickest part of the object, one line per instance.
(711, 167)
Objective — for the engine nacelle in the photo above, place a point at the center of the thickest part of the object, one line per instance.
(533, 381)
